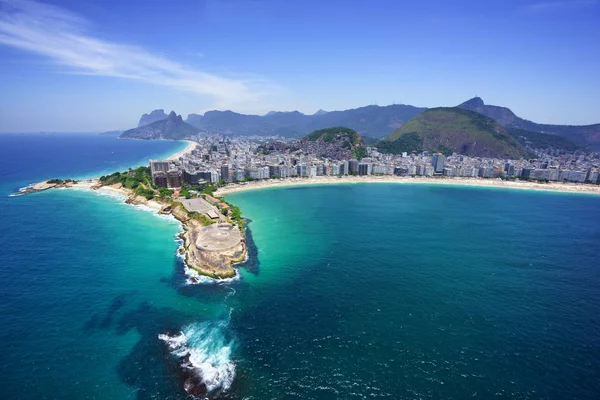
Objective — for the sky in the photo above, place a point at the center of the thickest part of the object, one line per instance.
(97, 65)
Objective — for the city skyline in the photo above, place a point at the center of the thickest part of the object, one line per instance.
(73, 66)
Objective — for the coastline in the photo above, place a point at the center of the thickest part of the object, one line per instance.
(190, 147)
(216, 264)
(478, 182)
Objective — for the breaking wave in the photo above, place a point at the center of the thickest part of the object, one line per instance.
(194, 278)
(205, 355)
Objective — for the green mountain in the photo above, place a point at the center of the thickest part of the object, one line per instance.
(340, 136)
(454, 129)
(345, 136)
(586, 135)
(172, 128)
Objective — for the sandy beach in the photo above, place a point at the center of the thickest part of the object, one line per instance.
(327, 180)
(191, 146)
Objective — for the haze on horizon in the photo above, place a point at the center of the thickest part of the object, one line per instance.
(91, 66)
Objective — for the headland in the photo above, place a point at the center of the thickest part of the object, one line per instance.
(212, 241)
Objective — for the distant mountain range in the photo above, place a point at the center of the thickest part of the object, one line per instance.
(172, 128)
(371, 122)
(448, 130)
(585, 135)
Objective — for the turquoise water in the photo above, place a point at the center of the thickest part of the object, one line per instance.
(351, 291)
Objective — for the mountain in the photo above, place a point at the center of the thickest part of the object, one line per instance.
(454, 129)
(320, 112)
(156, 115)
(338, 138)
(539, 140)
(172, 128)
(372, 121)
(586, 135)
(345, 137)
(338, 143)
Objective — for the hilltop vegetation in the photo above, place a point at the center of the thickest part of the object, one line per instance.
(346, 137)
(408, 142)
(457, 130)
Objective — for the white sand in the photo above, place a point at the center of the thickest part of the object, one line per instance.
(324, 180)
(190, 147)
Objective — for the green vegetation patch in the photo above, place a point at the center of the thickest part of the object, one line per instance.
(408, 142)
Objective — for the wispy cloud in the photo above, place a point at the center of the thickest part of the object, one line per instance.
(61, 36)
(560, 5)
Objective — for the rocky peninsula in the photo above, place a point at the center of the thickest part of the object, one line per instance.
(213, 240)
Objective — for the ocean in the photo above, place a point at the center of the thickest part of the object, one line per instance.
(350, 291)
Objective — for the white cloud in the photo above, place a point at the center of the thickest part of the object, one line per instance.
(61, 36)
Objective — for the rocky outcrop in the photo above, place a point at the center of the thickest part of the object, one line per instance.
(173, 128)
(156, 115)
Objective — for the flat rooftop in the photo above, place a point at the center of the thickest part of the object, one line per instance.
(218, 237)
(198, 205)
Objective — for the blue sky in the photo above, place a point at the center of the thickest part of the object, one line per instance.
(96, 65)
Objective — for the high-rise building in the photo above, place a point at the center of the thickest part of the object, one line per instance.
(156, 166)
(159, 178)
(438, 161)
(174, 179)
(193, 178)
(353, 166)
(509, 169)
(225, 172)
(275, 171)
(364, 169)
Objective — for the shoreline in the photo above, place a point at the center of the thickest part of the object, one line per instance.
(190, 147)
(473, 182)
(213, 263)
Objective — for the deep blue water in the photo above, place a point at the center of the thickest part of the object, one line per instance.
(351, 291)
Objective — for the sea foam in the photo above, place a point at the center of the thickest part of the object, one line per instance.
(205, 355)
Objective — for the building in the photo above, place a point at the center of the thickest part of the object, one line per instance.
(353, 166)
(156, 166)
(364, 169)
(225, 173)
(238, 175)
(279, 171)
(438, 161)
(159, 178)
(193, 178)
(486, 172)
(342, 168)
(509, 169)
(174, 178)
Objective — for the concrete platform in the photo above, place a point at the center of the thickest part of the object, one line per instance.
(218, 237)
